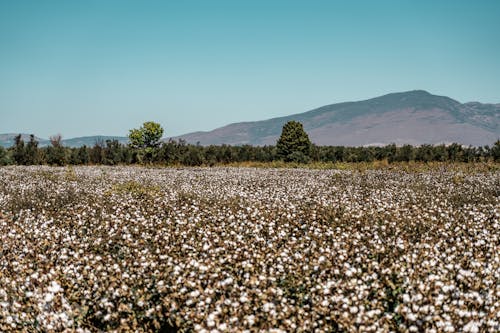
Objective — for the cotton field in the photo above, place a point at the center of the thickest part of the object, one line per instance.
(90, 249)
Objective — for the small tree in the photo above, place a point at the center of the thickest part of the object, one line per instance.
(83, 155)
(294, 144)
(146, 139)
(96, 155)
(56, 154)
(18, 150)
(4, 157)
(495, 151)
(31, 151)
(113, 153)
(147, 136)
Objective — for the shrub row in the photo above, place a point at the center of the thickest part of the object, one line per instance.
(181, 153)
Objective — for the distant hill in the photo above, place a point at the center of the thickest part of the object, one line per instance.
(90, 141)
(413, 117)
(7, 140)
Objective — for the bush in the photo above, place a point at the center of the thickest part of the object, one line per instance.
(4, 156)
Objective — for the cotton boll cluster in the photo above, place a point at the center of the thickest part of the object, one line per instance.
(233, 249)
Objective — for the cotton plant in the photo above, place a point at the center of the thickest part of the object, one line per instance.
(235, 249)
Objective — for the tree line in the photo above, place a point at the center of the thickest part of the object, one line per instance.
(293, 145)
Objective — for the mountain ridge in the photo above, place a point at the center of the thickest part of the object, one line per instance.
(7, 140)
(413, 117)
(440, 119)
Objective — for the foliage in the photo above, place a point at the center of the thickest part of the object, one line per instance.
(18, 154)
(495, 151)
(4, 156)
(31, 151)
(97, 153)
(147, 136)
(294, 144)
(112, 152)
(56, 154)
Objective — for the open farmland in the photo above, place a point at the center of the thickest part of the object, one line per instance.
(233, 249)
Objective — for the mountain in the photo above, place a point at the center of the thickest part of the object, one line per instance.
(413, 117)
(90, 141)
(7, 140)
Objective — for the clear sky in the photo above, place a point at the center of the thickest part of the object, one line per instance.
(104, 66)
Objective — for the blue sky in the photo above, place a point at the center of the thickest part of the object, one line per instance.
(103, 66)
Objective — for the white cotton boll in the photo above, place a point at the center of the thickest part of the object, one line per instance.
(472, 327)
(268, 307)
(411, 317)
(449, 328)
(54, 287)
(250, 319)
(49, 297)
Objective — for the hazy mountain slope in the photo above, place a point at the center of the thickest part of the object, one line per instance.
(90, 141)
(414, 117)
(7, 140)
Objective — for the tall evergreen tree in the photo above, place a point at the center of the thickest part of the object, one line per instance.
(294, 144)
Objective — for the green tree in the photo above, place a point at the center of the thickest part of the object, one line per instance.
(405, 154)
(56, 154)
(424, 153)
(96, 155)
(74, 159)
(113, 153)
(83, 155)
(31, 151)
(147, 136)
(193, 156)
(146, 140)
(18, 150)
(4, 157)
(495, 151)
(455, 152)
(294, 144)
